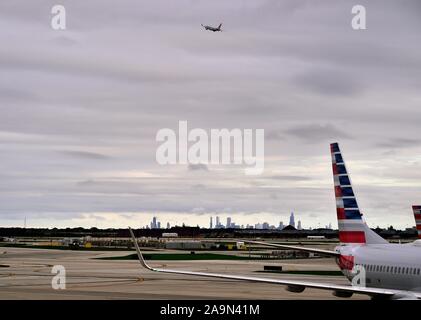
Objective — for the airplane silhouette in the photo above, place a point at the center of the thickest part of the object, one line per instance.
(213, 28)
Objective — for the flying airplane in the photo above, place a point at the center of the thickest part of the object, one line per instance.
(417, 216)
(213, 28)
(382, 269)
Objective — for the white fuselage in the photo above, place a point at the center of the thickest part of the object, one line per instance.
(396, 266)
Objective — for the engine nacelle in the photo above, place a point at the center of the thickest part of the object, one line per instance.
(294, 288)
(342, 294)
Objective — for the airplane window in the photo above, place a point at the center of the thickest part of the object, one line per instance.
(418, 271)
(396, 269)
(399, 269)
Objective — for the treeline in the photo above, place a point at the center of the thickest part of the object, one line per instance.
(195, 232)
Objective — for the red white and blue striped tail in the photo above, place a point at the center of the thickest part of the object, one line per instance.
(417, 216)
(352, 227)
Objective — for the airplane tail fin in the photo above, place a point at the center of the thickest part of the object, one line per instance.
(352, 227)
(220, 25)
(417, 216)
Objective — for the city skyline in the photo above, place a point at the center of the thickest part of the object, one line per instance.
(231, 223)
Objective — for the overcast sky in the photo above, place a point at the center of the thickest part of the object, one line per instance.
(80, 108)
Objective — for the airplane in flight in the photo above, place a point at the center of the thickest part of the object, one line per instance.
(213, 28)
(374, 266)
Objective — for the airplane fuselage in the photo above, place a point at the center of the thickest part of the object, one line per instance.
(214, 29)
(395, 266)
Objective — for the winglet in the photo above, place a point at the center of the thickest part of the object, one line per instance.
(139, 254)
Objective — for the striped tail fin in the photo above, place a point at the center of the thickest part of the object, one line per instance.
(417, 216)
(352, 227)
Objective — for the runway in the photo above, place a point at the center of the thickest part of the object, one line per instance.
(26, 274)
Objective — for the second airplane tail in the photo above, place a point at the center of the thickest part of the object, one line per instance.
(352, 227)
(417, 216)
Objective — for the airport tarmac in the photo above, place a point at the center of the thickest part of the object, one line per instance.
(26, 274)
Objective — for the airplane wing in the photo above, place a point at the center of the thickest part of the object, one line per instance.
(284, 246)
(292, 285)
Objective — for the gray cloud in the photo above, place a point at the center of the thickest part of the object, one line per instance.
(399, 143)
(199, 166)
(289, 178)
(330, 82)
(314, 132)
(85, 155)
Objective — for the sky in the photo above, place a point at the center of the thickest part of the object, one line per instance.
(80, 109)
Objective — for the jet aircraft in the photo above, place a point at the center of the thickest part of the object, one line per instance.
(382, 269)
(214, 29)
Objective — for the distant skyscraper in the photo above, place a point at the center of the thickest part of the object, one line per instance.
(153, 225)
(265, 225)
(281, 225)
(211, 223)
(299, 225)
(158, 225)
(168, 225)
(229, 222)
(217, 223)
(292, 220)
